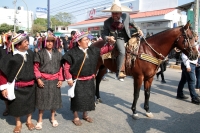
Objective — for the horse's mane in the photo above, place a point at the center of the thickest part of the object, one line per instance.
(167, 30)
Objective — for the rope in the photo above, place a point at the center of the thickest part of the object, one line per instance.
(153, 49)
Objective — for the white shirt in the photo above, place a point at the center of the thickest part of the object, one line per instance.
(50, 54)
(186, 61)
(31, 40)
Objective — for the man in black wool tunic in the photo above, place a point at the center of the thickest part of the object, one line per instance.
(18, 81)
(84, 99)
(49, 74)
(5, 49)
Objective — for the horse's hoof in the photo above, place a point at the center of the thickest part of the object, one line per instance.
(135, 116)
(150, 115)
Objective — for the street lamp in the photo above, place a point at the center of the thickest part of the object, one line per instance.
(14, 2)
(27, 16)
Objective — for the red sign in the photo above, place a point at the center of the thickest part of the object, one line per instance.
(92, 13)
(93, 28)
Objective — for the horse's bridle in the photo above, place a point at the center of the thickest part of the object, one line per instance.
(184, 35)
(187, 39)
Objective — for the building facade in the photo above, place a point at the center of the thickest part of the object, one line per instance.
(151, 16)
(21, 18)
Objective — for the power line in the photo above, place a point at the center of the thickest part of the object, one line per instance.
(56, 2)
(70, 5)
(91, 6)
(62, 4)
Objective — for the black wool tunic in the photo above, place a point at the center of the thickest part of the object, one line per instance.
(3, 52)
(24, 103)
(84, 89)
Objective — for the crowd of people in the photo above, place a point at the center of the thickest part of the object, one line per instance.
(31, 80)
(32, 70)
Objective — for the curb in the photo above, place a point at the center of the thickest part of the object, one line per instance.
(173, 66)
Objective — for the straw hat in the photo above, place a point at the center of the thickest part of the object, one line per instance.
(117, 7)
(80, 35)
(18, 38)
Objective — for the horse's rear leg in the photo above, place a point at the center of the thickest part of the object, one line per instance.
(137, 86)
(100, 74)
(147, 88)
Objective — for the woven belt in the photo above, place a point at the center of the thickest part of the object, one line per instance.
(150, 59)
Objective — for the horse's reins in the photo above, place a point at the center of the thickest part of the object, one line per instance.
(185, 37)
(153, 49)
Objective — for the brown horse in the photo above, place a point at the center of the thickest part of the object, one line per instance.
(159, 46)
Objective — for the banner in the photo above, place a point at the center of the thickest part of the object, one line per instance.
(41, 12)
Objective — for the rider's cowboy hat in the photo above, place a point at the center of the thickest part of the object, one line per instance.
(117, 7)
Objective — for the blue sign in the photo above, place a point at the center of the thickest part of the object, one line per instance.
(40, 9)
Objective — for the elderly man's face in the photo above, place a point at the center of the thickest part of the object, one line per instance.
(116, 16)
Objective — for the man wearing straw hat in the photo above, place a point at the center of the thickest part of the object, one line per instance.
(18, 81)
(80, 63)
(116, 30)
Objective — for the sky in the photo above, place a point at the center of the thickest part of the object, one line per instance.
(75, 7)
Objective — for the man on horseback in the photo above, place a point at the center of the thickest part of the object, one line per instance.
(116, 30)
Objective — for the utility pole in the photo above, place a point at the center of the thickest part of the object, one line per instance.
(27, 16)
(196, 15)
(14, 2)
(48, 13)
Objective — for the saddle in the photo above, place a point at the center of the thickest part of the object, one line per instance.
(131, 47)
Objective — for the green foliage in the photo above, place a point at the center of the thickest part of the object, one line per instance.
(5, 28)
(37, 28)
(59, 19)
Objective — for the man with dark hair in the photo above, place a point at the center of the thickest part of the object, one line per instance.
(65, 41)
(48, 72)
(188, 75)
(72, 39)
(116, 31)
(18, 81)
(20, 31)
(85, 87)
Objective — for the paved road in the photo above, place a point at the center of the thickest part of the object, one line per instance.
(114, 114)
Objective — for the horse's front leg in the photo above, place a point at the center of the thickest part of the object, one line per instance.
(137, 85)
(147, 88)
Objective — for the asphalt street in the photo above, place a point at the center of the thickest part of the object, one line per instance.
(114, 114)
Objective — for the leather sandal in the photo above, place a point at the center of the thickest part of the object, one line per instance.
(30, 126)
(38, 126)
(54, 123)
(17, 129)
(88, 119)
(77, 122)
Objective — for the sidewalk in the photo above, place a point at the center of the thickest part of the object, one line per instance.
(172, 65)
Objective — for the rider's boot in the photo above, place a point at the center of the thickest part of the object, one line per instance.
(122, 71)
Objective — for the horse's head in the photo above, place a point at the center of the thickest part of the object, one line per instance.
(186, 42)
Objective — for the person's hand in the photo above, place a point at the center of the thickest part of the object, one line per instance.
(111, 39)
(59, 84)
(140, 33)
(40, 83)
(188, 69)
(4, 93)
(70, 82)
